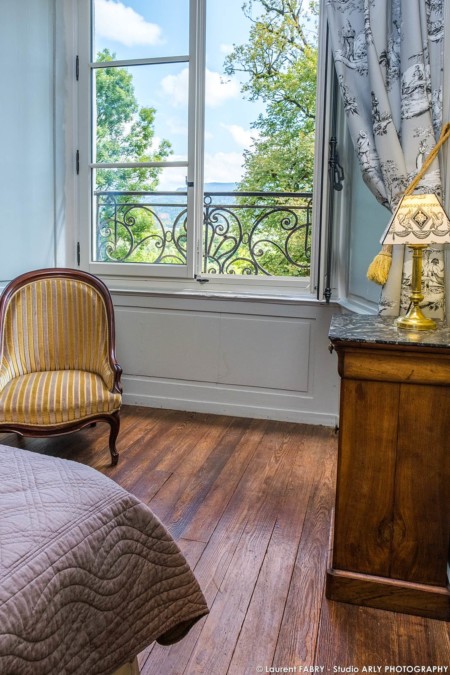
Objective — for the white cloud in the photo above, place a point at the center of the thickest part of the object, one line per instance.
(176, 87)
(223, 167)
(220, 167)
(243, 137)
(176, 126)
(173, 178)
(217, 90)
(154, 145)
(116, 21)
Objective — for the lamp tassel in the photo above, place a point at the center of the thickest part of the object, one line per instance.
(379, 267)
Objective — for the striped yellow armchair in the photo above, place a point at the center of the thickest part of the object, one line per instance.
(58, 371)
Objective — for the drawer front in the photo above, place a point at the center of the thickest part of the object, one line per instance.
(385, 366)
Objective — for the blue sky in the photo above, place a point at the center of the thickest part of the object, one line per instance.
(150, 28)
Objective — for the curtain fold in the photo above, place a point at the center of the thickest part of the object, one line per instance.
(389, 63)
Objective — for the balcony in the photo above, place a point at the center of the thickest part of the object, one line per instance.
(244, 233)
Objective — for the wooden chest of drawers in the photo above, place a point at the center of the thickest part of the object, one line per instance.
(390, 546)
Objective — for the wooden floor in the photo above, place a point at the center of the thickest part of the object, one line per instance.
(249, 503)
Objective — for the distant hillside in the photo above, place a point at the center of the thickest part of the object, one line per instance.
(220, 187)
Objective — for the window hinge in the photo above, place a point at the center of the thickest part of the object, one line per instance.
(77, 67)
(77, 162)
(78, 254)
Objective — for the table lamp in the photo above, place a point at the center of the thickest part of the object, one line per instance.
(419, 220)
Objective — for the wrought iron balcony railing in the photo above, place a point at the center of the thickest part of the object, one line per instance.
(251, 233)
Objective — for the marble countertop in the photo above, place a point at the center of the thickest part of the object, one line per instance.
(382, 330)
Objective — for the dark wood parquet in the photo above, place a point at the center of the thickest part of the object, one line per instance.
(250, 505)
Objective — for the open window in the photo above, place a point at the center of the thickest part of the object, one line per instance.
(197, 142)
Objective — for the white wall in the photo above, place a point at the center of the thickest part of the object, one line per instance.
(27, 136)
(238, 357)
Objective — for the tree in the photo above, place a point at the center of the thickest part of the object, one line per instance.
(279, 63)
(125, 133)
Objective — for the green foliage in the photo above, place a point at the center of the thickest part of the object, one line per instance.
(279, 67)
(279, 63)
(125, 133)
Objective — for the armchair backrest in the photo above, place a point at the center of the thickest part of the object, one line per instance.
(56, 319)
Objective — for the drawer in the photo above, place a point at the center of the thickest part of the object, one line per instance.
(395, 366)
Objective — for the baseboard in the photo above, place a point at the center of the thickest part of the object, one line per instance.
(225, 400)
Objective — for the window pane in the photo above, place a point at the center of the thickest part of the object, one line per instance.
(259, 137)
(137, 226)
(136, 29)
(141, 113)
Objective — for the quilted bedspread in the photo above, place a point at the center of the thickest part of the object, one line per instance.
(88, 575)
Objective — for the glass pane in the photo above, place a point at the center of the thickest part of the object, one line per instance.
(141, 113)
(136, 29)
(228, 114)
(135, 225)
(259, 137)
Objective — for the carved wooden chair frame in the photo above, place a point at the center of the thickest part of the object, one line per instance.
(113, 419)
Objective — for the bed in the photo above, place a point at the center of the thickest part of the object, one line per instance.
(88, 575)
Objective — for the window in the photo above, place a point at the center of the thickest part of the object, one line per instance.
(197, 161)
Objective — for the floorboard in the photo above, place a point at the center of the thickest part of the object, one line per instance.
(250, 504)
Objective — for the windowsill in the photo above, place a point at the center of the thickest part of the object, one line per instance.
(257, 291)
(264, 291)
(223, 295)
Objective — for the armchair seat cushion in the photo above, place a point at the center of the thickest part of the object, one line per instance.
(52, 397)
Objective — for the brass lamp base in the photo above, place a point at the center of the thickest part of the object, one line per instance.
(415, 318)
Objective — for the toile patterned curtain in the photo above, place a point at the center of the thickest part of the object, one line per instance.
(389, 63)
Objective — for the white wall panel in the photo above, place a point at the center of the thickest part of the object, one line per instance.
(171, 344)
(246, 358)
(268, 352)
(250, 351)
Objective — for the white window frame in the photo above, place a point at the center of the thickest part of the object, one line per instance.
(185, 278)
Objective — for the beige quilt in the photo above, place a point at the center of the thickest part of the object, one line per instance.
(88, 575)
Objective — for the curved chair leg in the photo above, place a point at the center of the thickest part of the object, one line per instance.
(114, 422)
